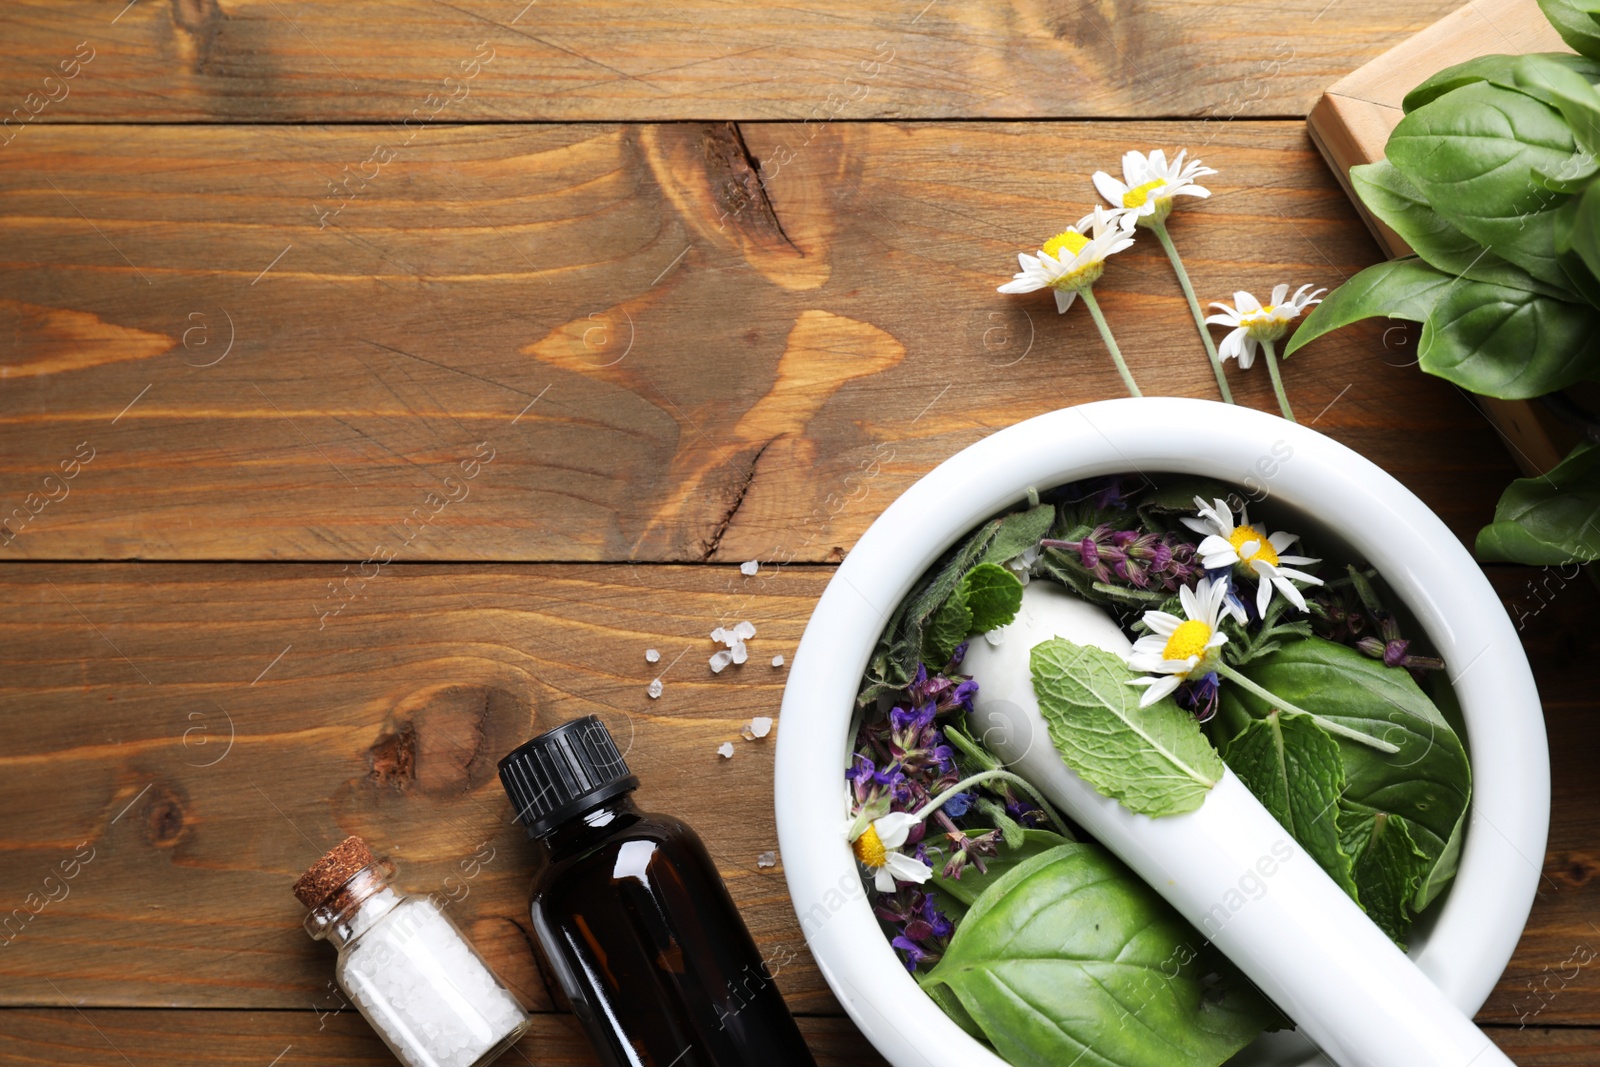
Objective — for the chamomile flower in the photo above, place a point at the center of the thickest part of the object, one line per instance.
(1178, 649)
(1073, 259)
(877, 846)
(1149, 184)
(1254, 322)
(1249, 550)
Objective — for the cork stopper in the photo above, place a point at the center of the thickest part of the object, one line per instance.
(332, 871)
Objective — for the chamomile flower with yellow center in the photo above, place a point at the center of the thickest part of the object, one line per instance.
(1145, 196)
(1177, 649)
(1149, 184)
(1248, 549)
(877, 847)
(1072, 260)
(1070, 263)
(1253, 322)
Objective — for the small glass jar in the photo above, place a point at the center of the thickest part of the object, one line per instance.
(406, 967)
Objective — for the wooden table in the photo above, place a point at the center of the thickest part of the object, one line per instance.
(420, 365)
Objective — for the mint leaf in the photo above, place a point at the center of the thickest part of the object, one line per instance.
(1071, 952)
(1155, 760)
(1389, 867)
(1292, 766)
(992, 594)
(1427, 782)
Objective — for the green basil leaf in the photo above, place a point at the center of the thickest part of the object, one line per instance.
(1492, 339)
(1553, 519)
(1570, 93)
(1499, 69)
(1389, 867)
(1155, 759)
(993, 595)
(973, 882)
(1578, 245)
(1018, 532)
(1579, 222)
(1575, 26)
(1069, 948)
(1390, 196)
(950, 1004)
(1427, 782)
(1293, 767)
(1509, 343)
(1398, 289)
(1471, 153)
(1435, 879)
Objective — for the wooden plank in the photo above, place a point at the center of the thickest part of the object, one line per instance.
(1351, 125)
(387, 721)
(494, 60)
(41, 1036)
(667, 358)
(73, 1038)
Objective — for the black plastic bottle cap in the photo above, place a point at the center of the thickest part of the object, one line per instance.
(563, 773)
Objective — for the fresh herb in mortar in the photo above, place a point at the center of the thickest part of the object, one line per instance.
(1041, 943)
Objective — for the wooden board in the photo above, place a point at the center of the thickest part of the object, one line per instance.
(667, 358)
(329, 61)
(1351, 124)
(128, 680)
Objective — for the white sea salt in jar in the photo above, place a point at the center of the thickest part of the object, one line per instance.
(405, 966)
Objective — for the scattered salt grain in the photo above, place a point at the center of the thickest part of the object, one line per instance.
(652, 656)
(767, 859)
(654, 688)
(761, 725)
(738, 652)
(721, 636)
(719, 660)
(777, 661)
(749, 567)
(745, 630)
(725, 750)
(996, 636)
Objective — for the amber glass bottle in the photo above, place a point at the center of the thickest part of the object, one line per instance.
(634, 921)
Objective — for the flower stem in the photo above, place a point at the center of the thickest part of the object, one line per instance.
(1111, 342)
(1277, 381)
(986, 776)
(1282, 704)
(1160, 230)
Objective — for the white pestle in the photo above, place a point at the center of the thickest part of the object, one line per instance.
(1231, 870)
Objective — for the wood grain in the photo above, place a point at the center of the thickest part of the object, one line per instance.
(668, 357)
(73, 1038)
(39, 1036)
(386, 722)
(321, 61)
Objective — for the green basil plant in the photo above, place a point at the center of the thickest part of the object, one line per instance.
(1493, 179)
